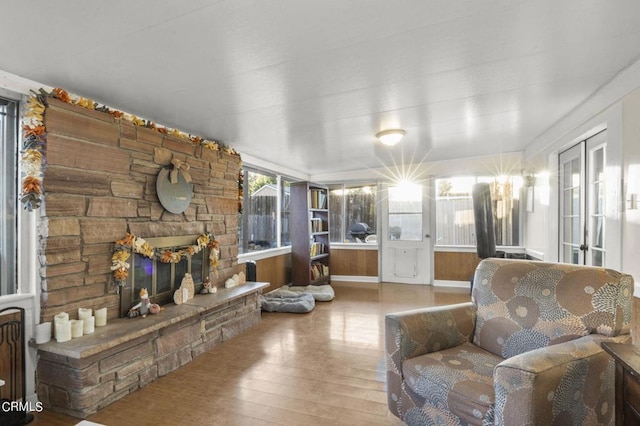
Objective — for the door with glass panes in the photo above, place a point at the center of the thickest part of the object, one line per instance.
(582, 202)
(406, 241)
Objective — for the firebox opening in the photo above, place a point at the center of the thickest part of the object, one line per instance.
(162, 279)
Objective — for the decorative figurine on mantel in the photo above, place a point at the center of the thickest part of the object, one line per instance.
(207, 287)
(235, 280)
(186, 290)
(144, 307)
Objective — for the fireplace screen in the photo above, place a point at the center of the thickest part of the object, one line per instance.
(162, 279)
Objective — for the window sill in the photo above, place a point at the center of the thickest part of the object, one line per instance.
(354, 246)
(16, 298)
(472, 249)
(263, 254)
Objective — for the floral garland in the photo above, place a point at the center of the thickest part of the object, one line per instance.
(123, 248)
(34, 140)
(34, 132)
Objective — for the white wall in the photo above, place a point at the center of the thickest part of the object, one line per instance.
(536, 241)
(616, 107)
(630, 237)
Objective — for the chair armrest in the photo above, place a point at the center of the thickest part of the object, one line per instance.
(567, 383)
(412, 333)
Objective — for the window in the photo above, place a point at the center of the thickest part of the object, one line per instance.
(352, 212)
(162, 279)
(8, 195)
(405, 212)
(285, 212)
(264, 221)
(454, 210)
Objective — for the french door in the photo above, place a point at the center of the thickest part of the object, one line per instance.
(582, 202)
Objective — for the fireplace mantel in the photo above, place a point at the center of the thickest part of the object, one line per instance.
(83, 375)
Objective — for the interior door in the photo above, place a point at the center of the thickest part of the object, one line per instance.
(582, 202)
(406, 250)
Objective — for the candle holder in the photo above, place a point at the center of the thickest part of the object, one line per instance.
(59, 317)
(76, 328)
(43, 332)
(63, 330)
(88, 326)
(84, 313)
(101, 317)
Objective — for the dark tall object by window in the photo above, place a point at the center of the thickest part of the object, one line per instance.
(483, 215)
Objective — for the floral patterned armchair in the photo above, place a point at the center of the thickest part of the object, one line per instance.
(525, 350)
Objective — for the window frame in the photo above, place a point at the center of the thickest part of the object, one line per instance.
(10, 195)
(243, 217)
(344, 231)
(478, 178)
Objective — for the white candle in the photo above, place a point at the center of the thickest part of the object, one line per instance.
(84, 313)
(59, 317)
(63, 330)
(76, 328)
(89, 325)
(101, 317)
(43, 332)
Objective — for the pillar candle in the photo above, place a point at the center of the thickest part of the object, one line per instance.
(84, 313)
(63, 330)
(43, 332)
(89, 325)
(101, 317)
(60, 316)
(76, 328)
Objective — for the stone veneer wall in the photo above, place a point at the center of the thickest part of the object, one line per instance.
(100, 179)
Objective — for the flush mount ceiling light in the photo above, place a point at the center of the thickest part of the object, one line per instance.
(390, 137)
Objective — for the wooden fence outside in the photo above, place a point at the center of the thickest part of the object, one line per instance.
(262, 225)
(455, 224)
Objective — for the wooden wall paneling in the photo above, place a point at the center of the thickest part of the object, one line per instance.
(274, 270)
(455, 266)
(354, 262)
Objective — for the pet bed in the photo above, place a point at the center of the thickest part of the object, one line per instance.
(321, 293)
(287, 301)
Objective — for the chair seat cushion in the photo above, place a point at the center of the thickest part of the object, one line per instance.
(459, 380)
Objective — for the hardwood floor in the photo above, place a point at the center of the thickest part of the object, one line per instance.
(321, 368)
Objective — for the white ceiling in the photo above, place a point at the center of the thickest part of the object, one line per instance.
(306, 84)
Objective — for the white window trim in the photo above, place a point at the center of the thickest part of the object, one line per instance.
(28, 290)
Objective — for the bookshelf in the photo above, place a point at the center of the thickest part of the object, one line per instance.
(309, 234)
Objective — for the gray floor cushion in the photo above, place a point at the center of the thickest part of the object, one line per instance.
(283, 301)
(322, 293)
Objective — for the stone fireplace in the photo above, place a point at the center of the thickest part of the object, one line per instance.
(99, 184)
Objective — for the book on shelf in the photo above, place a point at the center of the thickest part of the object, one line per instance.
(316, 249)
(318, 199)
(322, 200)
(319, 270)
(316, 224)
